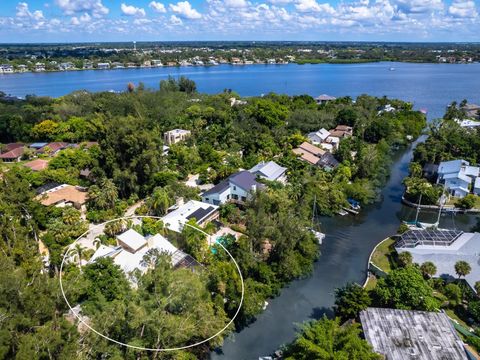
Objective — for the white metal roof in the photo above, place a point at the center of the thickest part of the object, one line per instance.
(269, 170)
(132, 239)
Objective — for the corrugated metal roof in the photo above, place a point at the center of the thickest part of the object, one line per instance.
(409, 334)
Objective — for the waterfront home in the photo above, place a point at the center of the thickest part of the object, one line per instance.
(63, 195)
(444, 248)
(318, 137)
(410, 334)
(66, 66)
(37, 164)
(13, 155)
(174, 136)
(22, 68)
(270, 171)
(117, 65)
(6, 69)
(236, 188)
(324, 98)
(87, 65)
(202, 212)
(342, 131)
(457, 176)
(103, 66)
(156, 63)
(39, 67)
(132, 247)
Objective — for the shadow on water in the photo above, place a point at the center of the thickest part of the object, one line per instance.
(320, 312)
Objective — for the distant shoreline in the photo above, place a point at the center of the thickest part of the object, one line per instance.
(303, 62)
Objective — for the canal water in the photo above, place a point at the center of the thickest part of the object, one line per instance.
(344, 256)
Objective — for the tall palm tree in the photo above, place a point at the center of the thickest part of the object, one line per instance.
(78, 251)
(159, 202)
(462, 268)
(428, 269)
(109, 193)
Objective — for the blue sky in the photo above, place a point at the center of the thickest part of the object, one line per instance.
(112, 20)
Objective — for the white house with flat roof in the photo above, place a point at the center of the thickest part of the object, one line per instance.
(202, 212)
(457, 176)
(132, 247)
(175, 136)
(444, 248)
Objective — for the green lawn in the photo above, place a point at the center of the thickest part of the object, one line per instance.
(453, 200)
(382, 257)
(371, 283)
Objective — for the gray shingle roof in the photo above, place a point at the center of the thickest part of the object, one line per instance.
(408, 334)
(244, 179)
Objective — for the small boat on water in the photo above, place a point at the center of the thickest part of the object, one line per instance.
(392, 69)
(342, 212)
(354, 204)
(318, 234)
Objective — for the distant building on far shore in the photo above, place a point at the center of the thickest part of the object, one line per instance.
(324, 98)
(174, 136)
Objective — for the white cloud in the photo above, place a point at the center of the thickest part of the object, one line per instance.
(24, 12)
(130, 10)
(313, 6)
(463, 9)
(93, 7)
(175, 20)
(280, 2)
(419, 6)
(142, 21)
(185, 10)
(236, 3)
(157, 7)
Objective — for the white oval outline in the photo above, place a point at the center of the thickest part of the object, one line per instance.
(140, 347)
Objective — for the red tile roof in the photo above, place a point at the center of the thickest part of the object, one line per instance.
(37, 164)
(13, 154)
(12, 146)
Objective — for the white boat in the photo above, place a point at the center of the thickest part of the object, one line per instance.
(318, 235)
(392, 69)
